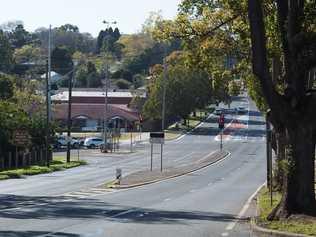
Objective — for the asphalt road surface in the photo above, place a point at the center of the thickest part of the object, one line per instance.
(209, 202)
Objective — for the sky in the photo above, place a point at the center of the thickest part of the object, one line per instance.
(86, 14)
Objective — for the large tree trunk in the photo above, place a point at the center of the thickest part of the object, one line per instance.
(299, 177)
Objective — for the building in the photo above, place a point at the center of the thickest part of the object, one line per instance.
(89, 110)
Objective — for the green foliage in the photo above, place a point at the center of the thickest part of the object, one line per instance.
(6, 87)
(234, 88)
(61, 60)
(35, 170)
(122, 84)
(186, 90)
(297, 225)
(19, 37)
(107, 42)
(27, 54)
(6, 59)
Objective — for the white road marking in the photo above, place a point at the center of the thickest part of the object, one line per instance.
(242, 212)
(167, 199)
(225, 234)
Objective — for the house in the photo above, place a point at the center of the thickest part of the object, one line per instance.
(89, 111)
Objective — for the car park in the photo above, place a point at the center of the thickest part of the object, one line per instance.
(93, 142)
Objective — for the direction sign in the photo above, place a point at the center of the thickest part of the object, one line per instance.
(157, 137)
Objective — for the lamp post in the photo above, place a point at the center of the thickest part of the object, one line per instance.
(105, 119)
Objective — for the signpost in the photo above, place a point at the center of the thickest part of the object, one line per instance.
(21, 138)
(156, 138)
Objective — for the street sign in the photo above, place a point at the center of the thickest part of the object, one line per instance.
(21, 138)
(157, 138)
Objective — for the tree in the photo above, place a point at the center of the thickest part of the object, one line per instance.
(6, 59)
(27, 54)
(187, 89)
(122, 84)
(19, 37)
(292, 109)
(61, 60)
(6, 87)
(93, 78)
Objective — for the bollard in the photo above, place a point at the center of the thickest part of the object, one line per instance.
(118, 175)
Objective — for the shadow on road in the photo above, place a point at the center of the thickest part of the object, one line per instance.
(53, 207)
(34, 234)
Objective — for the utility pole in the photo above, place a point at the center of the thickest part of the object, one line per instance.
(164, 92)
(69, 121)
(49, 71)
(47, 116)
(105, 122)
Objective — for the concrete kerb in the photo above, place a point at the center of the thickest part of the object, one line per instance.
(269, 232)
(114, 184)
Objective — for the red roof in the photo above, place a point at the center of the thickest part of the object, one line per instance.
(94, 111)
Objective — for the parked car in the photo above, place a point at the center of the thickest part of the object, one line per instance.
(241, 110)
(93, 142)
(218, 111)
(61, 141)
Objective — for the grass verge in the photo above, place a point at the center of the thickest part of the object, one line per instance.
(56, 165)
(297, 224)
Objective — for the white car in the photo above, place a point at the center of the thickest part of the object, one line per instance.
(93, 142)
(62, 141)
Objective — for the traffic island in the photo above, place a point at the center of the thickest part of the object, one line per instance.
(148, 177)
(296, 225)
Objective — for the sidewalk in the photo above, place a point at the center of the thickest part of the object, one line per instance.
(146, 176)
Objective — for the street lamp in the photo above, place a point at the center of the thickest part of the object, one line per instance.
(105, 120)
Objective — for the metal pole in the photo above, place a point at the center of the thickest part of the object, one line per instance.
(164, 93)
(161, 150)
(106, 105)
(221, 145)
(131, 141)
(151, 157)
(47, 114)
(69, 122)
(49, 72)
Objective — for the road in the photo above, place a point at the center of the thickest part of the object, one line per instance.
(208, 202)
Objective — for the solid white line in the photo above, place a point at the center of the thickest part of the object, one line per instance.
(242, 212)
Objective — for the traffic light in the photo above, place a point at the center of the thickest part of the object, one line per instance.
(221, 122)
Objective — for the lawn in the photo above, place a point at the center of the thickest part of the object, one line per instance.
(301, 225)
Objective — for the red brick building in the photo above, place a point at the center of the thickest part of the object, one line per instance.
(89, 112)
